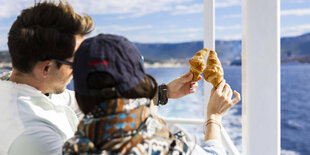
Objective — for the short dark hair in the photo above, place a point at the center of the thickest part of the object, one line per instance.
(146, 88)
(45, 31)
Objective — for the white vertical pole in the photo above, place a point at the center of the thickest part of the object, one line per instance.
(208, 42)
(261, 77)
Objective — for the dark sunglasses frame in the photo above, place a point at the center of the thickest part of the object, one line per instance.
(64, 62)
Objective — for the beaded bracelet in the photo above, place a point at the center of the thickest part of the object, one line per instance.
(162, 94)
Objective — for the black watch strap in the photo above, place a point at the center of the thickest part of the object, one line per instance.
(162, 94)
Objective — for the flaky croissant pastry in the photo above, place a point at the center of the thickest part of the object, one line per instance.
(196, 63)
(213, 72)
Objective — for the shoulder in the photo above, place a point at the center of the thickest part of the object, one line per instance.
(39, 140)
(68, 98)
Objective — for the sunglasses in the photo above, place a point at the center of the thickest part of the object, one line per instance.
(64, 62)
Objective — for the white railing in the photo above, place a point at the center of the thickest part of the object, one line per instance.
(209, 42)
(226, 140)
(260, 77)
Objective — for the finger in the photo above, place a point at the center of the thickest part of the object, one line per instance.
(220, 87)
(194, 84)
(187, 77)
(230, 93)
(236, 99)
(212, 90)
(192, 91)
(226, 89)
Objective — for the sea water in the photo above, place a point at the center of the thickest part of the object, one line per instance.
(295, 106)
(191, 106)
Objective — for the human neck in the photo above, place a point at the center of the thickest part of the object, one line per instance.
(28, 79)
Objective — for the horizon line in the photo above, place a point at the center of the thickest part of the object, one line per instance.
(228, 40)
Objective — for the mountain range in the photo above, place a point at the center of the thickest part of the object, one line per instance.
(292, 49)
(227, 50)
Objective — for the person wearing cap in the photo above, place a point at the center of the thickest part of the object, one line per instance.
(117, 98)
(37, 113)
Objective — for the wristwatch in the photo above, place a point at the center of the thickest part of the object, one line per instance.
(162, 94)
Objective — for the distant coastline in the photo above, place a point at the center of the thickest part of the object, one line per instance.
(164, 65)
(294, 50)
(5, 62)
(5, 66)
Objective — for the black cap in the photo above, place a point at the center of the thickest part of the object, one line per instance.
(108, 53)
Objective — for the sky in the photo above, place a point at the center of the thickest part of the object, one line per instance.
(164, 21)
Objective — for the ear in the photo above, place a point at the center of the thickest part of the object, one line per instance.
(42, 68)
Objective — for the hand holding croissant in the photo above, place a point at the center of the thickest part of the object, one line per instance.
(213, 72)
(197, 63)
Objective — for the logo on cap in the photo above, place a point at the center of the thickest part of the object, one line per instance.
(98, 62)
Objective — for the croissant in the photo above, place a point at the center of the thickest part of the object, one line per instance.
(213, 72)
(196, 63)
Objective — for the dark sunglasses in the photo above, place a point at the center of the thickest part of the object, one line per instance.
(64, 62)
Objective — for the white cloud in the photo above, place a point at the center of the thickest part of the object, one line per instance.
(133, 8)
(295, 1)
(171, 35)
(116, 28)
(3, 42)
(136, 8)
(296, 12)
(229, 37)
(141, 38)
(11, 8)
(225, 28)
(188, 9)
(183, 30)
(233, 16)
(123, 8)
(227, 3)
(4, 28)
(295, 30)
(178, 37)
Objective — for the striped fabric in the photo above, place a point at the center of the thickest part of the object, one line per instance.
(124, 126)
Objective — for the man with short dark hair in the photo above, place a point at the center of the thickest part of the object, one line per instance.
(35, 113)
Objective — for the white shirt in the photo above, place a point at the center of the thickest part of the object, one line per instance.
(32, 123)
(210, 147)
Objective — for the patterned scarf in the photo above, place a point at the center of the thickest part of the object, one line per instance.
(124, 126)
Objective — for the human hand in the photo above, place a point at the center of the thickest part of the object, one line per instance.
(220, 101)
(182, 86)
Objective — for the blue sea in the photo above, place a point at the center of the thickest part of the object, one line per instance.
(295, 106)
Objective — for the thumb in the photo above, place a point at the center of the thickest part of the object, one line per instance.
(236, 99)
(212, 90)
(187, 77)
